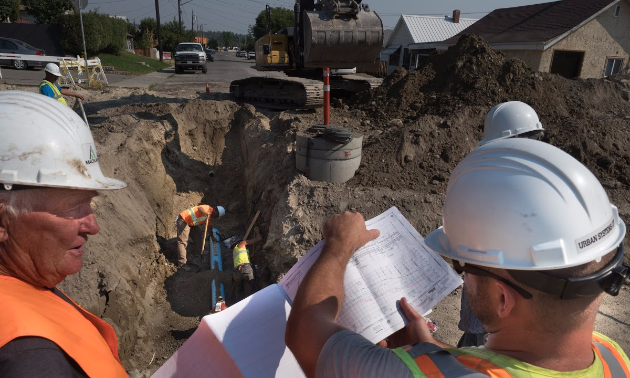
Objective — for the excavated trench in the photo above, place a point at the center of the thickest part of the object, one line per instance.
(416, 127)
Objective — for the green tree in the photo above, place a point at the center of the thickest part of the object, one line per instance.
(228, 38)
(47, 11)
(9, 9)
(280, 18)
(213, 43)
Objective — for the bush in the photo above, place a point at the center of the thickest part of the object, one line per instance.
(102, 34)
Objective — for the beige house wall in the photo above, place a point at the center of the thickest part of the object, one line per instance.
(602, 38)
(530, 57)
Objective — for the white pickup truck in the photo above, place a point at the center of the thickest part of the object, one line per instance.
(190, 55)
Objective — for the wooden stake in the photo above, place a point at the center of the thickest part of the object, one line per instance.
(205, 231)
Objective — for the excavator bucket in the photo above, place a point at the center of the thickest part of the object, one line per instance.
(341, 42)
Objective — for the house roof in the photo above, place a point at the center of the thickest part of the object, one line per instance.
(425, 29)
(541, 25)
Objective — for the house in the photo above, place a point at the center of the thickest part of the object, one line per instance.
(415, 36)
(573, 38)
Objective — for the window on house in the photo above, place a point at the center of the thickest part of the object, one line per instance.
(617, 10)
(613, 66)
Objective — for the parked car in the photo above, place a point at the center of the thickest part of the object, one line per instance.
(189, 55)
(241, 54)
(209, 55)
(251, 55)
(14, 46)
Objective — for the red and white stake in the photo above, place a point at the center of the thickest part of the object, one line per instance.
(326, 96)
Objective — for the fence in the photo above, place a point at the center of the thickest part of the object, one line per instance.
(95, 75)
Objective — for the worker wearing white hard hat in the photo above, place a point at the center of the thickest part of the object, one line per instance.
(48, 86)
(540, 245)
(511, 119)
(49, 174)
(192, 217)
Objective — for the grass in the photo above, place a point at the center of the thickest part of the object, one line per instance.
(131, 63)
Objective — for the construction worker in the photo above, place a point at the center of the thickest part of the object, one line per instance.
(219, 306)
(192, 217)
(49, 174)
(243, 272)
(539, 243)
(513, 119)
(49, 87)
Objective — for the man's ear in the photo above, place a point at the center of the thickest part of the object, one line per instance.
(506, 299)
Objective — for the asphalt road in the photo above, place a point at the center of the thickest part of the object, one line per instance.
(225, 68)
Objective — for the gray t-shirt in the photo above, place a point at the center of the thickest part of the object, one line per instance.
(348, 354)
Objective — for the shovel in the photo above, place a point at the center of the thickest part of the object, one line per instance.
(78, 101)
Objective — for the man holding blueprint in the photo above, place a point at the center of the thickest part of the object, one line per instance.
(539, 242)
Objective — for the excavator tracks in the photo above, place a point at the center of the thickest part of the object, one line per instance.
(279, 93)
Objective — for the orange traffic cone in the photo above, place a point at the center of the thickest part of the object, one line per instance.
(207, 89)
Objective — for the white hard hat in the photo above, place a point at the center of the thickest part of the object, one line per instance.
(53, 69)
(509, 119)
(45, 143)
(522, 204)
(221, 210)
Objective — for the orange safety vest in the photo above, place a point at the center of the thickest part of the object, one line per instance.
(31, 311)
(194, 217)
(429, 360)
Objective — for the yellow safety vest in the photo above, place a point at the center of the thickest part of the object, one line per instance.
(55, 90)
(240, 256)
(429, 360)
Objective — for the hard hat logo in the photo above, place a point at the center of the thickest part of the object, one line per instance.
(89, 151)
(591, 240)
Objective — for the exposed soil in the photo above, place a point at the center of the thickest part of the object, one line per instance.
(417, 126)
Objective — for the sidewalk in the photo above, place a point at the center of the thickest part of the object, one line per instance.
(145, 81)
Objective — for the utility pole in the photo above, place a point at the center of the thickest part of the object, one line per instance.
(159, 33)
(87, 72)
(192, 22)
(179, 14)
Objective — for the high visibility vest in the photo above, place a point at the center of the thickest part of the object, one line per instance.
(33, 311)
(194, 217)
(240, 256)
(429, 360)
(55, 91)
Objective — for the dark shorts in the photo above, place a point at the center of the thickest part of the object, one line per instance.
(245, 273)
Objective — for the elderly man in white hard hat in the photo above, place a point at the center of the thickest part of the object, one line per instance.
(539, 243)
(49, 174)
(49, 87)
(195, 216)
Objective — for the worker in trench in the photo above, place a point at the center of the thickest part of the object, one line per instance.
(194, 216)
(539, 243)
(49, 175)
(243, 272)
(512, 119)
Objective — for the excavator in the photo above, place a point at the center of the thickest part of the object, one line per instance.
(338, 34)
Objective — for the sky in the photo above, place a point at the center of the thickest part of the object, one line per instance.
(237, 15)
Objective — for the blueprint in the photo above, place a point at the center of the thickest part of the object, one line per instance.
(397, 264)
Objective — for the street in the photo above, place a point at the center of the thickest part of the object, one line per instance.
(225, 68)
